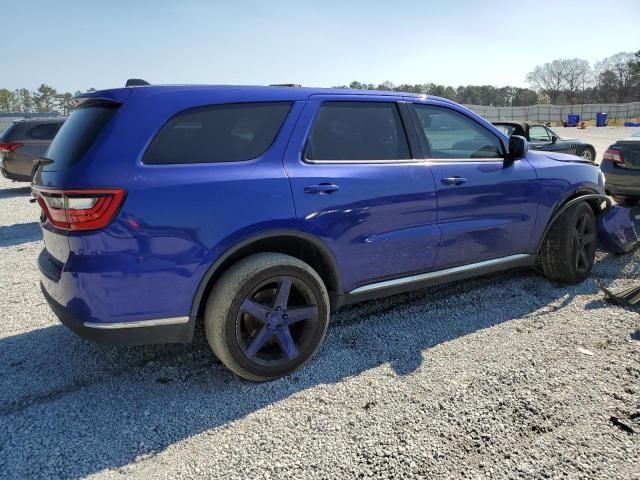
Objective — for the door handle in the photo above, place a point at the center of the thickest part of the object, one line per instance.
(453, 181)
(321, 188)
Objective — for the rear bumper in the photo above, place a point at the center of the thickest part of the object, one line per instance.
(623, 182)
(143, 332)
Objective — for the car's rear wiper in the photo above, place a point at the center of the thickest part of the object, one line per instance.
(40, 162)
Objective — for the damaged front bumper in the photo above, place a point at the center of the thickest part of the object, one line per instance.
(618, 229)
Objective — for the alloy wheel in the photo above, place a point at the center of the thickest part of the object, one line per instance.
(584, 238)
(275, 322)
(587, 155)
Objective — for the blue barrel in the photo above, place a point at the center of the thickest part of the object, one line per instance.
(601, 119)
(572, 120)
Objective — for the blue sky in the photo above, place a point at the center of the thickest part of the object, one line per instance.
(75, 45)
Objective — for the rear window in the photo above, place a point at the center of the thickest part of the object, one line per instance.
(77, 135)
(14, 132)
(45, 131)
(219, 133)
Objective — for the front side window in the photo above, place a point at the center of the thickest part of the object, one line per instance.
(357, 131)
(538, 133)
(218, 133)
(450, 134)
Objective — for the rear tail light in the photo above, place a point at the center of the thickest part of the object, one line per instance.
(10, 147)
(80, 209)
(614, 155)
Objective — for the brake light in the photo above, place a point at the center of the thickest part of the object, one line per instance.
(80, 209)
(614, 155)
(10, 147)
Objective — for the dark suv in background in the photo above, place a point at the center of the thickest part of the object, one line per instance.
(23, 142)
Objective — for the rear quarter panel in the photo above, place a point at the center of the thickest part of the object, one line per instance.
(175, 221)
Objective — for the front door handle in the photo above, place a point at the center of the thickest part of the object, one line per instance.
(453, 181)
(321, 188)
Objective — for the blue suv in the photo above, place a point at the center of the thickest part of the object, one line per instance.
(259, 210)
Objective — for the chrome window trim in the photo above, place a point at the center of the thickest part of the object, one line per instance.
(157, 322)
(373, 162)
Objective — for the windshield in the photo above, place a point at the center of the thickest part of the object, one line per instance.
(554, 133)
(506, 129)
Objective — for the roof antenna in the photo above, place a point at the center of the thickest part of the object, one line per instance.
(136, 82)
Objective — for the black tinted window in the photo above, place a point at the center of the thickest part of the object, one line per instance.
(357, 131)
(46, 131)
(220, 133)
(77, 134)
(450, 134)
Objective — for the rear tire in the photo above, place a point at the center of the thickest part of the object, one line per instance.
(568, 251)
(267, 316)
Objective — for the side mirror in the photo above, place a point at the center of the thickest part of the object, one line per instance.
(554, 139)
(518, 148)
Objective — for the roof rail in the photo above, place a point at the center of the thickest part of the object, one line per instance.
(285, 85)
(136, 82)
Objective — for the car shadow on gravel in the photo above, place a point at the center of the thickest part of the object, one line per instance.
(15, 192)
(70, 408)
(19, 233)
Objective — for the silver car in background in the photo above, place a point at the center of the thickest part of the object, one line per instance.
(23, 142)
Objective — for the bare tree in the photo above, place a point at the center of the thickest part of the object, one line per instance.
(549, 78)
(577, 77)
(617, 76)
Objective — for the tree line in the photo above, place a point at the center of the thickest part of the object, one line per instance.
(615, 79)
(44, 99)
(470, 94)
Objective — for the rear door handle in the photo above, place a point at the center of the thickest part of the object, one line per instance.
(453, 181)
(321, 188)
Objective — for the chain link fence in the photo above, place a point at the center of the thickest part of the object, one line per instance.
(559, 113)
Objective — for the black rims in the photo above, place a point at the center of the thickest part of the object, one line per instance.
(584, 241)
(276, 320)
(568, 251)
(267, 315)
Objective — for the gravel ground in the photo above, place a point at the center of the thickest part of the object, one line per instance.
(600, 138)
(505, 376)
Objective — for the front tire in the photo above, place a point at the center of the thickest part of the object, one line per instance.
(267, 316)
(568, 251)
(589, 154)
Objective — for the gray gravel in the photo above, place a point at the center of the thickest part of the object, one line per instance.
(506, 376)
(600, 137)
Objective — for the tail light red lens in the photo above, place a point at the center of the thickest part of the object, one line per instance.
(10, 147)
(80, 209)
(614, 155)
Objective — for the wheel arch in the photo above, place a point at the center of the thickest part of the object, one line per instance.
(301, 245)
(588, 195)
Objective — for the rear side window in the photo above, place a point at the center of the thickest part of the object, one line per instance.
(356, 131)
(46, 131)
(77, 135)
(218, 133)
